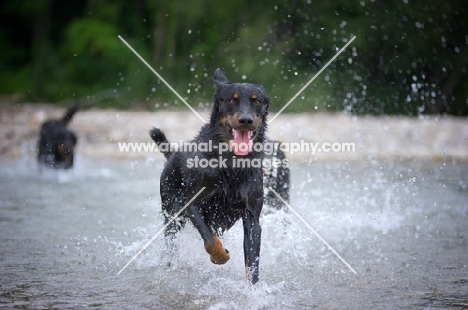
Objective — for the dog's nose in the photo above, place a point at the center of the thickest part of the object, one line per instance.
(245, 119)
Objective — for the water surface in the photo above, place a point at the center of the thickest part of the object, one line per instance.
(401, 224)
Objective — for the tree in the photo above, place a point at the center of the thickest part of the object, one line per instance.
(410, 57)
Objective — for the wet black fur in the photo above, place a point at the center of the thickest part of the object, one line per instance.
(57, 142)
(230, 193)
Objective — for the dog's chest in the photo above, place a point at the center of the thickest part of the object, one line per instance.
(233, 186)
(229, 194)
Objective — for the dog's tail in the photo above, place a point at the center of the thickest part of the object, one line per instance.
(159, 137)
(70, 112)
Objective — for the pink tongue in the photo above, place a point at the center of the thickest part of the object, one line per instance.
(241, 144)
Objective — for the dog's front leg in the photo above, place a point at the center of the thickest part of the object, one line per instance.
(214, 247)
(252, 237)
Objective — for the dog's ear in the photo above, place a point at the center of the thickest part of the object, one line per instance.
(219, 78)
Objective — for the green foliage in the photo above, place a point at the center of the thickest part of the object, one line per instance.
(409, 57)
(91, 56)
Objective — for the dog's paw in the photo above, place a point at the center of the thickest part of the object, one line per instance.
(220, 258)
(218, 254)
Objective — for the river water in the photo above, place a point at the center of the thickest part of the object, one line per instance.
(401, 224)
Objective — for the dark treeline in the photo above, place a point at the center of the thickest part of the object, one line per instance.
(410, 57)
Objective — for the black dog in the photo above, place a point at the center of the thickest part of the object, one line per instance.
(238, 118)
(57, 142)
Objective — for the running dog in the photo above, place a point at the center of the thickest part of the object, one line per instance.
(57, 142)
(238, 118)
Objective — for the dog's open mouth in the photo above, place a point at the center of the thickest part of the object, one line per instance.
(242, 141)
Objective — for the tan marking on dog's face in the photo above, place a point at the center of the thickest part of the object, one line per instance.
(235, 96)
(62, 149)
(256, 100)
(223, 120)
(234, 120)
(257, 121)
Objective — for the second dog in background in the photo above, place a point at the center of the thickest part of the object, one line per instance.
(57, 142)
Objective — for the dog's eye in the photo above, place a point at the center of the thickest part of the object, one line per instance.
(257, 102)
(232, 101)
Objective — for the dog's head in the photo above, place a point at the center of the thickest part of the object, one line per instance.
(240, 110)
